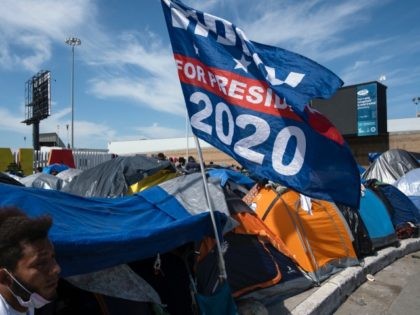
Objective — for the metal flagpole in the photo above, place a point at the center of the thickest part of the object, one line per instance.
(187, 132)
(222, 267)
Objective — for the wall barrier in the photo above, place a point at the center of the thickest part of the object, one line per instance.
(24, 158)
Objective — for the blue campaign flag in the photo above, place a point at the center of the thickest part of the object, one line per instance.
(249, 100)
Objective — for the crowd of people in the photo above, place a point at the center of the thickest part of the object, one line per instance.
(190, 165)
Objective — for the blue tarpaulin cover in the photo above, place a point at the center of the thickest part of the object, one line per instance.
(54, 168)
(225, 175)
(376, 218)
(404, 210)
(90, 234)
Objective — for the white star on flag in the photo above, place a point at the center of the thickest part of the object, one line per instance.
(242, 64)
(293, 78)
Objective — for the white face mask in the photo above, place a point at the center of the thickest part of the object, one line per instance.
(35, 300)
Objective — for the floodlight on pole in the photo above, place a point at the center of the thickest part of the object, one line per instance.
(72, 41)
(416, 101)
(382, 78)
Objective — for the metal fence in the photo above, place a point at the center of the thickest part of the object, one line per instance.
(88, 159)
(83, 159)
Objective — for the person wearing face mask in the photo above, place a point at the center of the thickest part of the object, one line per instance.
(29, 273)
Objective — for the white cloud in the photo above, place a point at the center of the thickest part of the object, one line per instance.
(400, 77)
(401, 106)
(153, 93)
(40, 52)
(49, 17)
(137, 67)
(352, 48)
(92, 135)
(5, 57)
(304, 23)
(86, 133)
(27, 29)
(12, 122)
(204, 5)
(155, 131)
(146, 53)
(356, 71)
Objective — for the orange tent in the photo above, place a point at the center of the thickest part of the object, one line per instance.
(319, 238)
(258, 264)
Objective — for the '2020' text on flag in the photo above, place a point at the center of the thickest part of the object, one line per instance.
(249, 100)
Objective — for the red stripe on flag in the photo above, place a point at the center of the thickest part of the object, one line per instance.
(233, 88)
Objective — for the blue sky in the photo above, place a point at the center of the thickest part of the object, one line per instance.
(126, 83)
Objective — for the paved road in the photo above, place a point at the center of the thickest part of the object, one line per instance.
(394, 290)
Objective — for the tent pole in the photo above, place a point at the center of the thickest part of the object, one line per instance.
(222, 267)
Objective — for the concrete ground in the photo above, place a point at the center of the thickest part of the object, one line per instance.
(394, 289)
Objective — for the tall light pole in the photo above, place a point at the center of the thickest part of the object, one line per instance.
(416, 101)
(72, 41)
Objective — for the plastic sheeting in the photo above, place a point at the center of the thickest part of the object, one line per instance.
(113, 178)
(390, 166)
(119, 281)
(409, 184)
(6, 179)
(226, 175)
(91, 234)
(189, 191)
(42, 180)
(68, 175)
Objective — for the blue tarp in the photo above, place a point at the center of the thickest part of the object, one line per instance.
(225, 175)
(415, 200)
(57, 168)
(90, 234)
(409, 184)
(377, 220)
(404, 209)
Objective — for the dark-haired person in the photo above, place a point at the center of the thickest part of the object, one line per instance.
(29, 272)
(161, 157)
(192, 165)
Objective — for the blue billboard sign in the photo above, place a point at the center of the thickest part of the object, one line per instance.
(367, 110)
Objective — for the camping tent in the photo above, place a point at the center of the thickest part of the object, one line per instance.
(67, 175)
(42, 180)
(269, 271)
(390, 166)
(409, 184)
(404, 214)
(377, 220)
(91, 234)
(401, 208)
(318, 237)
(114, 177)
(362, 242)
